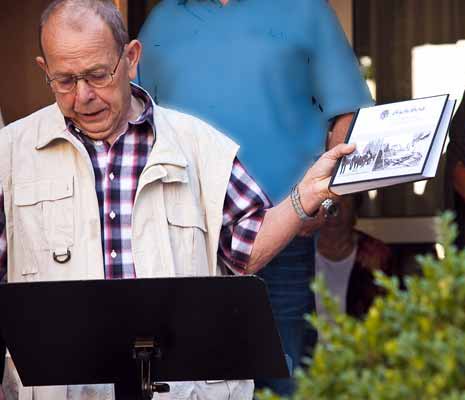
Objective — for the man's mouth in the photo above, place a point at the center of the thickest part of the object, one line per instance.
(91, 115)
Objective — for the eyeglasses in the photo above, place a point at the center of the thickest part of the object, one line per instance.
(96, 79)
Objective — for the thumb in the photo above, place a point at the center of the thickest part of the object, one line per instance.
(340, 150)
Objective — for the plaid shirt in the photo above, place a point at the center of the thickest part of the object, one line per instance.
(117, 169)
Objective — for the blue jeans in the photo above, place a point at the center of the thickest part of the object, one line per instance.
(288, 277)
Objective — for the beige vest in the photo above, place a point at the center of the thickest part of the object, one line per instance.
(51, 206)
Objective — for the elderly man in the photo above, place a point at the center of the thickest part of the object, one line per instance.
(104, 184)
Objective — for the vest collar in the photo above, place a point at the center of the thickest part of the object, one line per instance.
(52, 127)
(166, 161)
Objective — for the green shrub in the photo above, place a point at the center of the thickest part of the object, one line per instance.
(411, 345)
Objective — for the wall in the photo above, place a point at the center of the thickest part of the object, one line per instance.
(22, 84)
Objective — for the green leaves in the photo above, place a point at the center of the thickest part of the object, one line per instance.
(411, 345)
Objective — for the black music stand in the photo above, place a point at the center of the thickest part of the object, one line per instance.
(137, 332)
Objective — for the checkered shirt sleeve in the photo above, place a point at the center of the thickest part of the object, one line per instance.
(243, 212)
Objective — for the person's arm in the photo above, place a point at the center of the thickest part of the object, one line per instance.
(338, 132)
(252, 232)
(281, 222)
(336, 81)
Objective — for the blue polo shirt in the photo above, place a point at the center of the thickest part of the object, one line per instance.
(268, 73)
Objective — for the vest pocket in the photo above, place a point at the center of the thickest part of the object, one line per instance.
(187, 231)
(44, 218)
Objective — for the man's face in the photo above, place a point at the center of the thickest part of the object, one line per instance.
(101, 113)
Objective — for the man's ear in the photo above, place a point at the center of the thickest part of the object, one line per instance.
(134, 52)
(41, 63)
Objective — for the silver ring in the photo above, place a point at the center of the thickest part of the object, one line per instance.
(331, 208)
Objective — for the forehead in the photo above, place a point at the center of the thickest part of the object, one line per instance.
(71, 47)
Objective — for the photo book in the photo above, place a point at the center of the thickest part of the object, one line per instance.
(395, 143)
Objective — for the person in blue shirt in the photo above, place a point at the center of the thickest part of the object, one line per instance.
(275, 76)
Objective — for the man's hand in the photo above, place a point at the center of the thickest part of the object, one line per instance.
(335, 137)
(314, 186)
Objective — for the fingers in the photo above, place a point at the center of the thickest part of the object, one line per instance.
(340, 150)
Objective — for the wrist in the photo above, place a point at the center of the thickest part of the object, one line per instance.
(310, 197)
(296, 202)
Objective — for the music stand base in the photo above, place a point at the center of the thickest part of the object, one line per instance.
(145, 350)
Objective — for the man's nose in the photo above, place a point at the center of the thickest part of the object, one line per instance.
(84, 92)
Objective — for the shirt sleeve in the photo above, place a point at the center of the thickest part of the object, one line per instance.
(334, 69)
(3, 255)
(243, 212)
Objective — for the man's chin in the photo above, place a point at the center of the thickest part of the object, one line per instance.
(95, 131)
(98, 135)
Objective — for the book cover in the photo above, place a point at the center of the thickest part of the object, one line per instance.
(395, 143)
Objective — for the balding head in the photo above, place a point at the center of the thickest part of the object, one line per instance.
(72, 13)
(84, 44)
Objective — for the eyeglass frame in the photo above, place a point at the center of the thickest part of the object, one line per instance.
(78, 77)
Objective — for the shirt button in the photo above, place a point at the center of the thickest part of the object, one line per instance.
(111, 175)
(113, 254)
(112, 215)
(98, 142)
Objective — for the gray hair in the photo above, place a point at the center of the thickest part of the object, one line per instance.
(105, 9)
